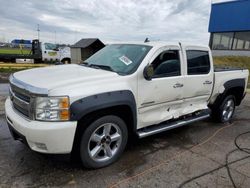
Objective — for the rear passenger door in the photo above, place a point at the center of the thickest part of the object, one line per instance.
(198, 79)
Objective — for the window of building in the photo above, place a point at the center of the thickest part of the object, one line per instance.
(167, 64)
(239, 44)
(198, 62)
(247, 45)
(230, 41)
(222, 41)
(241, 41)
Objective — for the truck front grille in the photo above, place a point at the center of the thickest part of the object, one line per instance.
(21, 101)
(23, 96)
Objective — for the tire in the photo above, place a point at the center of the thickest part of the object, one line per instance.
(225, 110)
(97, 149)
(66, 61)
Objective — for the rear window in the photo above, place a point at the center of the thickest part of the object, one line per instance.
(198, 62)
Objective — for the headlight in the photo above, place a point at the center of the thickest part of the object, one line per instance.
(52, 108)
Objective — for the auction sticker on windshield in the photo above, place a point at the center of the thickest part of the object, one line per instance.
(125, 60)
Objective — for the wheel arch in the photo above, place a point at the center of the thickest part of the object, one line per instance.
(119, 103)
(234, 87)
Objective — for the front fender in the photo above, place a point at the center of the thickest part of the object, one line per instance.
(89, 104)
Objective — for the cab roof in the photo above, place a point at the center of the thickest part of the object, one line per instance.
(159, 44)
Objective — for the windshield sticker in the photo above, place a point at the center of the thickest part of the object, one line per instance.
(125, 60)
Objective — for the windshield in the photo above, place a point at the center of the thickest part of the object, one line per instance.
(120, 58)
(50, 46)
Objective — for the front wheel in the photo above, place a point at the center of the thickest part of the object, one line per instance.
(103, 142)
(226, 109)
(66, 61)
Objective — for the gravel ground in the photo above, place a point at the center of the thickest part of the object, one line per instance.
(192, 156)
(4, 91)
(4, 77)
(2, 99)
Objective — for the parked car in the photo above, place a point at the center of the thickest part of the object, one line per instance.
(124, 89)
(3, 44)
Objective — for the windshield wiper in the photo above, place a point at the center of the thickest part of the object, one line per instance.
(104, 67)
(84, 63)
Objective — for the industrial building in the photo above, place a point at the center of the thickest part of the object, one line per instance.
(230, 28)
(24, 43)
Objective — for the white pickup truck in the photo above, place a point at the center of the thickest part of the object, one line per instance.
(124, 89)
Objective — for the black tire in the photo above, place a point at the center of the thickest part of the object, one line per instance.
(224, 112)
(98, 127)
(66, 61)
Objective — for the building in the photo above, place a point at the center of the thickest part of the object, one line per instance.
(84, 48)
(230, 28)
(16, 43)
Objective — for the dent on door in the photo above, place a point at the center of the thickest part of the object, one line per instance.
(159, 101)
(158, 113)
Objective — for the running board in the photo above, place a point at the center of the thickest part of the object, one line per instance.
(154, 129)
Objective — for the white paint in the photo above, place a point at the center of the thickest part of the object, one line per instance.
(57, 136)
(156, 100)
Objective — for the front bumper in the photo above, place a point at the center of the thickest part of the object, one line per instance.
(44, 137)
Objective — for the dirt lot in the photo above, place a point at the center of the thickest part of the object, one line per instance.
(191, 156)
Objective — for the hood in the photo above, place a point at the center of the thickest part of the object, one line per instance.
(62, 75)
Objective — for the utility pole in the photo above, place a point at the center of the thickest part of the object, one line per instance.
(38, 31)
(55, 37)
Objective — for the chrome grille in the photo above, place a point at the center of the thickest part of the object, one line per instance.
(21, 101)
(23, 96)
(20, 94)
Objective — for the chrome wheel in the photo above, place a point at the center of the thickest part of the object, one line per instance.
(228, 109)
(104, 142)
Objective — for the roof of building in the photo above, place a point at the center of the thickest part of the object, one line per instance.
(230, 16)
(83, 43)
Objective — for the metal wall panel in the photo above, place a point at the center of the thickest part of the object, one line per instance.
(230, 16)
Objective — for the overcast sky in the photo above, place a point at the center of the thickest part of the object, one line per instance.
(66, 21)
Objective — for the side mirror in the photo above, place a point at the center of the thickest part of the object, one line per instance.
(148, 72)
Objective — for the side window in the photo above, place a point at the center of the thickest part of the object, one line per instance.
(167, 64)
(198, 62)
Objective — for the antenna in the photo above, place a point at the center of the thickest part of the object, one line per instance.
(146, 40)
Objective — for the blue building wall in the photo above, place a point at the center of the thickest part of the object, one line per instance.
(230, 16)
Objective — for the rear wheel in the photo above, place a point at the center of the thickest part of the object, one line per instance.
(225, 111)
(103, 142)
(66, 61)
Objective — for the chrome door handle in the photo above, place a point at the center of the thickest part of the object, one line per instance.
(178, 85)
(207, 82)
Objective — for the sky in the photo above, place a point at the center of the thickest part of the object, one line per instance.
(67, 21)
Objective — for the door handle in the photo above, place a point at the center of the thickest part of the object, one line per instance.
(178, 85)
(207, 82)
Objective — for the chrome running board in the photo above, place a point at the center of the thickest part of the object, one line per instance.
(154, 129)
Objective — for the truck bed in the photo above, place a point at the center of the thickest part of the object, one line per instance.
(224, 75)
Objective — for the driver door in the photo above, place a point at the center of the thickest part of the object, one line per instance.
(160, 98)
